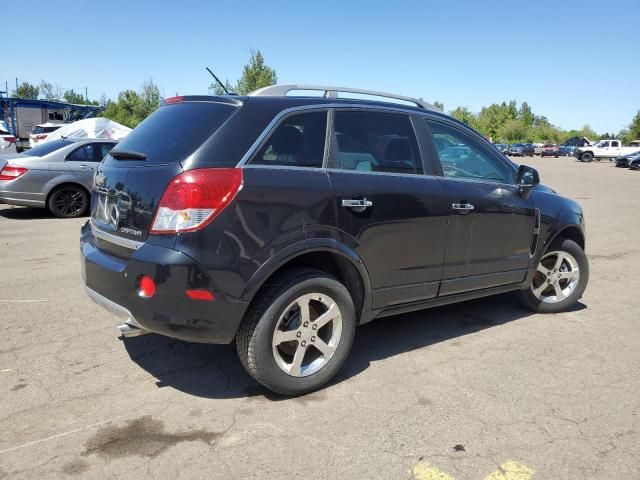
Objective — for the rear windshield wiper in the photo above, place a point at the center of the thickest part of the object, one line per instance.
(127, 155)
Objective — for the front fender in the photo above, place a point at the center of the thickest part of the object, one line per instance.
(566, 220)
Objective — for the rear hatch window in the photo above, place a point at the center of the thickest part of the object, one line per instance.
(174, 131)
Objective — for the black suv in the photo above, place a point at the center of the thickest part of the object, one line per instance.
(284, 221)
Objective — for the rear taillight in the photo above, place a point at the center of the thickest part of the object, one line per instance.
(11, 173)
(40, 137)
(9, 139)
(194, 198)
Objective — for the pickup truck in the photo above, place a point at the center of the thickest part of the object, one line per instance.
(603, 149)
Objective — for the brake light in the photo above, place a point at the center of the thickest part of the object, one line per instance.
(194, 198)
(40, 137)
(173, 100)
(9, 139)
(11, 173)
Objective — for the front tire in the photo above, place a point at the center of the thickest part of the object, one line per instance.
(586, 157)
(560, 279)
(298, 332)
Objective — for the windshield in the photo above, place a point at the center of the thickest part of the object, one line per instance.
(46, 148)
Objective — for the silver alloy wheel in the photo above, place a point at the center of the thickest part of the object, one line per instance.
(556, 277)
(307, 334)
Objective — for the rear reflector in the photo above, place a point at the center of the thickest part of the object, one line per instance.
(11, 173)
(205, 295)
(146, 287)
(194, 198)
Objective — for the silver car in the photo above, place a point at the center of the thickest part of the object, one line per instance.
(57, 175)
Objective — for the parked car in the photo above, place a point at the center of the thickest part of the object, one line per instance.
(501, 147)
(41, 132)
(577, 142)
(634, 143)
(56, 175)
(550, 150)
(624, 161)
(604, 149)
(521, 150)
(635, 163)
(537, 148)
(6, 139)
(228, 218)
(566, 150)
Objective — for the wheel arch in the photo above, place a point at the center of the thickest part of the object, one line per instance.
(327, 255)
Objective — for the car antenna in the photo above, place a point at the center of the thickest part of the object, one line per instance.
(219, 82)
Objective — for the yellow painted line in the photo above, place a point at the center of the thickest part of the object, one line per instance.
(511, 470)
(424, 471)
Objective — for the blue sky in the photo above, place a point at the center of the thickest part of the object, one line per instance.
(575, 62)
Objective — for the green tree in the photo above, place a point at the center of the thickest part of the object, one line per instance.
(634, 127)
(513, 130)
(216, 89)
(439, 105)
(526, 115)
(49, 91)
(70, 96)
(26, 90)
(132, 107)
(255, 74)
(464, 115)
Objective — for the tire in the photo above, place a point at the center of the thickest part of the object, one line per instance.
(586, 157)
(273, 364)
(68, 201)
(574, 264)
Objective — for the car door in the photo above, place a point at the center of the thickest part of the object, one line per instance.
(491, 225)
(83, 160)
(387, 210)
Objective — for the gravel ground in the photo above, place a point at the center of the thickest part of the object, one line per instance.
(477, 390)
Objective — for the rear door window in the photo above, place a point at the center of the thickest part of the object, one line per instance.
(174, 131)
(96, 151)
(78, 155)
(374, 142)
(297, 142)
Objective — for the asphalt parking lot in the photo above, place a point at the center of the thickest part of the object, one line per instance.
(480, 390)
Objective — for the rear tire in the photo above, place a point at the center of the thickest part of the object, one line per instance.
(561, 277)
(298, 333)
(68, 201)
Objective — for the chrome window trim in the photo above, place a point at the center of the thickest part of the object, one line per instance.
(116, 240)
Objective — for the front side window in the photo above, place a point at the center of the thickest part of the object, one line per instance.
(462, 156)
(297, 142)
(374, 142)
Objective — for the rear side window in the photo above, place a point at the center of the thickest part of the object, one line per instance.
(78, 155)
(95, 152)
(175, 131)
(374, 142)
(298, 142)
(49, 129)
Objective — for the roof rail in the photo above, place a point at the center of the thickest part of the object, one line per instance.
(332, 92)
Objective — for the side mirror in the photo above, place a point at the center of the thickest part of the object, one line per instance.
(527, 178)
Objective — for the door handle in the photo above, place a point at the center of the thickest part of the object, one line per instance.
(85, 167)
(357, 204)
(462, 207)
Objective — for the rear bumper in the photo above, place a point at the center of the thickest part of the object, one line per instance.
(111, 281)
